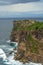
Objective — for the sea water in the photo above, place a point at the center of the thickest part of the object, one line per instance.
(5, 30)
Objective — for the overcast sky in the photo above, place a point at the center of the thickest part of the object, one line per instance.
(13, 7)
(6, 2)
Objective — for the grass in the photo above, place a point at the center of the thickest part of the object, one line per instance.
(35, 26)
(31, 43)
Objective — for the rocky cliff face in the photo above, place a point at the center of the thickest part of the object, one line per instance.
(30, 42)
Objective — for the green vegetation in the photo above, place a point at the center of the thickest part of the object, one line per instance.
(36, 25)
(27, 25)
(23, 26)
(31, 43)
(29, 35)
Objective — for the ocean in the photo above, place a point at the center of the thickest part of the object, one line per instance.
(5, 30)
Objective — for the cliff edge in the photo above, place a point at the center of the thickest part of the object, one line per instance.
(29, 35)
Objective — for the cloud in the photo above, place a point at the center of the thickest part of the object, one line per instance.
(22, 9)
(41, 0)
(27, 7)
(24, 1)
(4, 3)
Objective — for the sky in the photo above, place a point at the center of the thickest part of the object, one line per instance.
(21, 8)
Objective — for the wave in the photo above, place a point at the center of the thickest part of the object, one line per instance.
(12, 43)
(10, 61)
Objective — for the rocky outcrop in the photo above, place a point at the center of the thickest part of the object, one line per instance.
(29, 46)
(38, 34)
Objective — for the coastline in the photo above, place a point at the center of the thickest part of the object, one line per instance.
(28, 48)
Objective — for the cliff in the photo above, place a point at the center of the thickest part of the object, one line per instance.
(29, 35)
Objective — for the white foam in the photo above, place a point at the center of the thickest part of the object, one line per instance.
(16, 43)
(8, 41)
(2, 54)
(11, 61)
(14, 62)
(34, 63)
